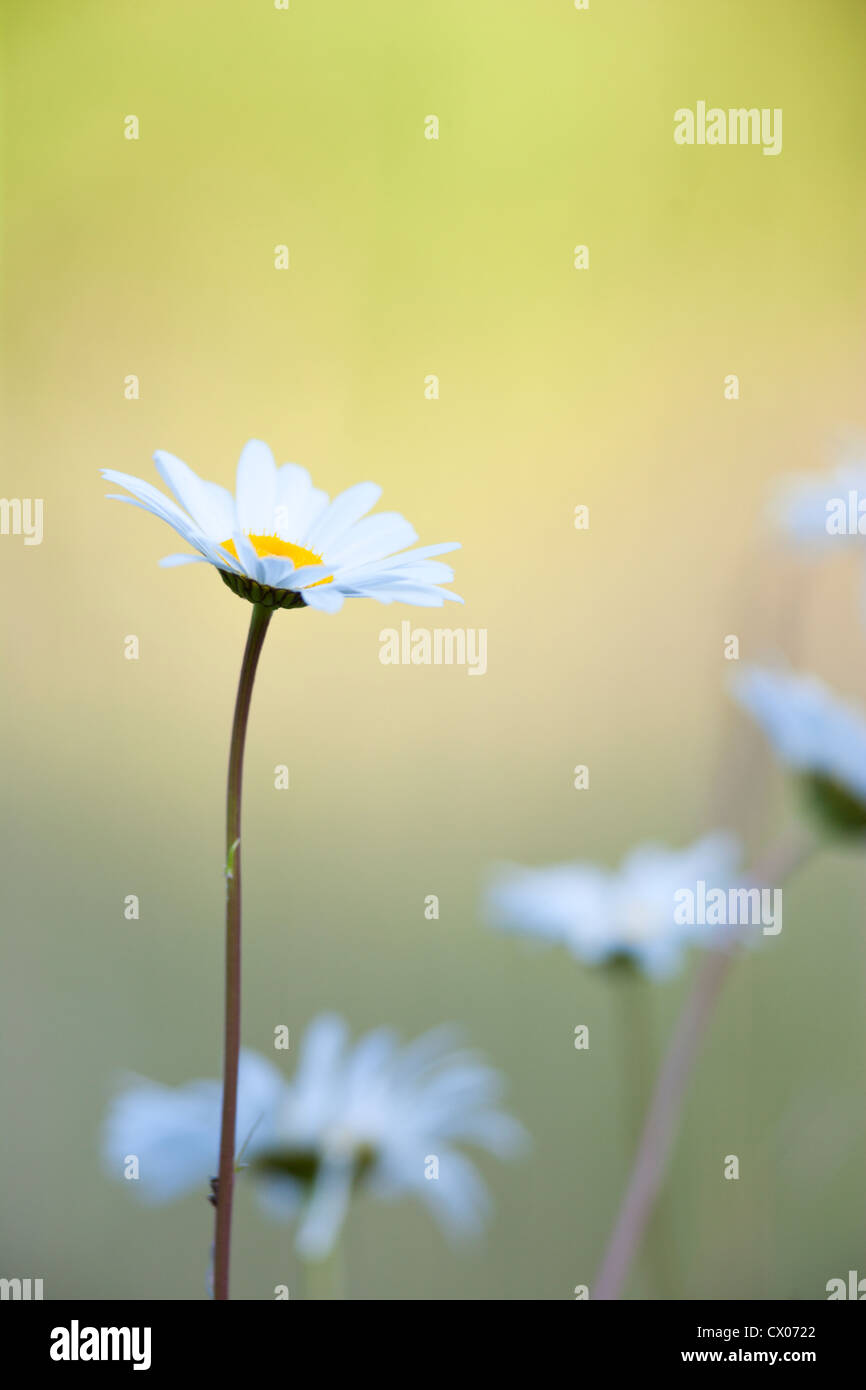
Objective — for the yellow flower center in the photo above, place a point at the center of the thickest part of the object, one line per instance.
(265, 546)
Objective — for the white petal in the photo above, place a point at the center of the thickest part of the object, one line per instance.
(179, 523)
(169, 562)
(424, 552)
(424, 573)
(316, 1087)
(459, 1199)
(150, 498)
(326, 1209)
(275, 570)
(261, 1090)
(430, 1048)
(371, 1055)
(211, 507)
(247, 556)
(418, 595)
(322, 1049)
(343, 512)
(209, 551)
(326, 597)
(306, 575)
(372, 538)
(298, 504)
(173, 1132)
(256, 489)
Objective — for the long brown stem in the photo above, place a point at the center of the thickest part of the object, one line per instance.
(657, 1137)
(232, 1035)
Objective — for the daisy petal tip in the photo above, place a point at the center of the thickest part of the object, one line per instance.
(258, 451)
(161, 457)
(169, 562)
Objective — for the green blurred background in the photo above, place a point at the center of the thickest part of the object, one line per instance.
(558, 387)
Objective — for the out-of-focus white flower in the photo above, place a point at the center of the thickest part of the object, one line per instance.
(605, 916)
(376, 1116)
(815, 511)
(173, 1131)
(814, 732)
(282, 542)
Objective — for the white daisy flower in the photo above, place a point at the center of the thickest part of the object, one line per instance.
(283, 543)
(173, 1132)
(373, 1117)
(605, 917)
(816, 733)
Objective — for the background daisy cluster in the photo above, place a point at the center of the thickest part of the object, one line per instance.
(558, 387)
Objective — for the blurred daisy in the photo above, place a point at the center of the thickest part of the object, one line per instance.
(377, 1116)
(605, 917)
(820, 514)
(282, 543)
(816, 733)
(814, 510)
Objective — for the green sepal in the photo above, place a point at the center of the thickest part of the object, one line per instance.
(837, 811)
(263, 594)
(303, 1165)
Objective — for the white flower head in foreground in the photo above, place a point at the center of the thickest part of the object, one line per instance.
(376, 1116)
(606, 918)
(815, 733)
(283, 543)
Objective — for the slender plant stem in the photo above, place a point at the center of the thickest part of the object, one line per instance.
(232, 1035)
(637, 1034)
(634, 1029)
(657, 1137)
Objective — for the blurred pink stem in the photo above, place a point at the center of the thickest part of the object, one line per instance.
(658, 1133)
